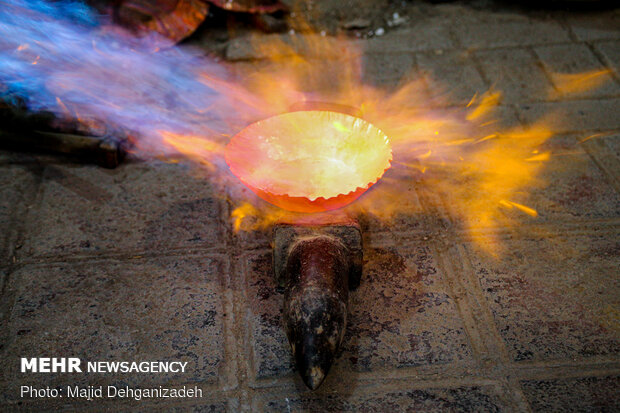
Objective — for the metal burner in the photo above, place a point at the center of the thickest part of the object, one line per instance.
(313, 161)
(317, 264)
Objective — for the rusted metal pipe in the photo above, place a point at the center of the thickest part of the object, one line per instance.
(317, 265)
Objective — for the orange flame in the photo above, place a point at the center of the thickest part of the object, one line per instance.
(466, 157)
(569, 83)
(466, 161)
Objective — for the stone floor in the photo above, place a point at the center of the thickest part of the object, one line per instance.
(141, 263)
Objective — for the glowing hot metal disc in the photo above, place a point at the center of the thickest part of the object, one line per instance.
(309, 161)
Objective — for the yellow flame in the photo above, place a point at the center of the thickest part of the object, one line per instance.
(489, 101)
(540, 157)
(242, 211)
(567, 83)
(465, 158)
(199, 149)
(596, 135)
(530, 211)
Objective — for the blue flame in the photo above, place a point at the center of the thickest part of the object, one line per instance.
(64, 58)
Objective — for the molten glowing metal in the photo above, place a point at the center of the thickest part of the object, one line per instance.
(309, 161)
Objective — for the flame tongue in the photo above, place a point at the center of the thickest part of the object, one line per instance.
(309, 161)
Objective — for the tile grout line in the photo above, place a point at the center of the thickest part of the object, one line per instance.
(572, 226)
(243, 331)
(611, 173)
(613, 71)
(32, 201)
(485, 326)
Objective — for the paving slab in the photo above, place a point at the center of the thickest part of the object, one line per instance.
(5, 306)
(581, 191)
(453, 76)
(516, 73)
(430, 33)
(493, 30)
(605, 151)
(573, 115)
(610, 52)
(270, 351)
(386, 69)
(574, 394)
(553, 296)
(459, 399)
(18, 186)
(138, 206)
(595, 25)
(412, 321)
(576, 59)
(206, 404)
(277, 46)
(163, 309)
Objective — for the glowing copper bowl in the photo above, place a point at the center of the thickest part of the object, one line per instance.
(309, 161)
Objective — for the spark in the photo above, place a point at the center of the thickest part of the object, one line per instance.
(540, 157)
(596, 135)
(527, 210)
